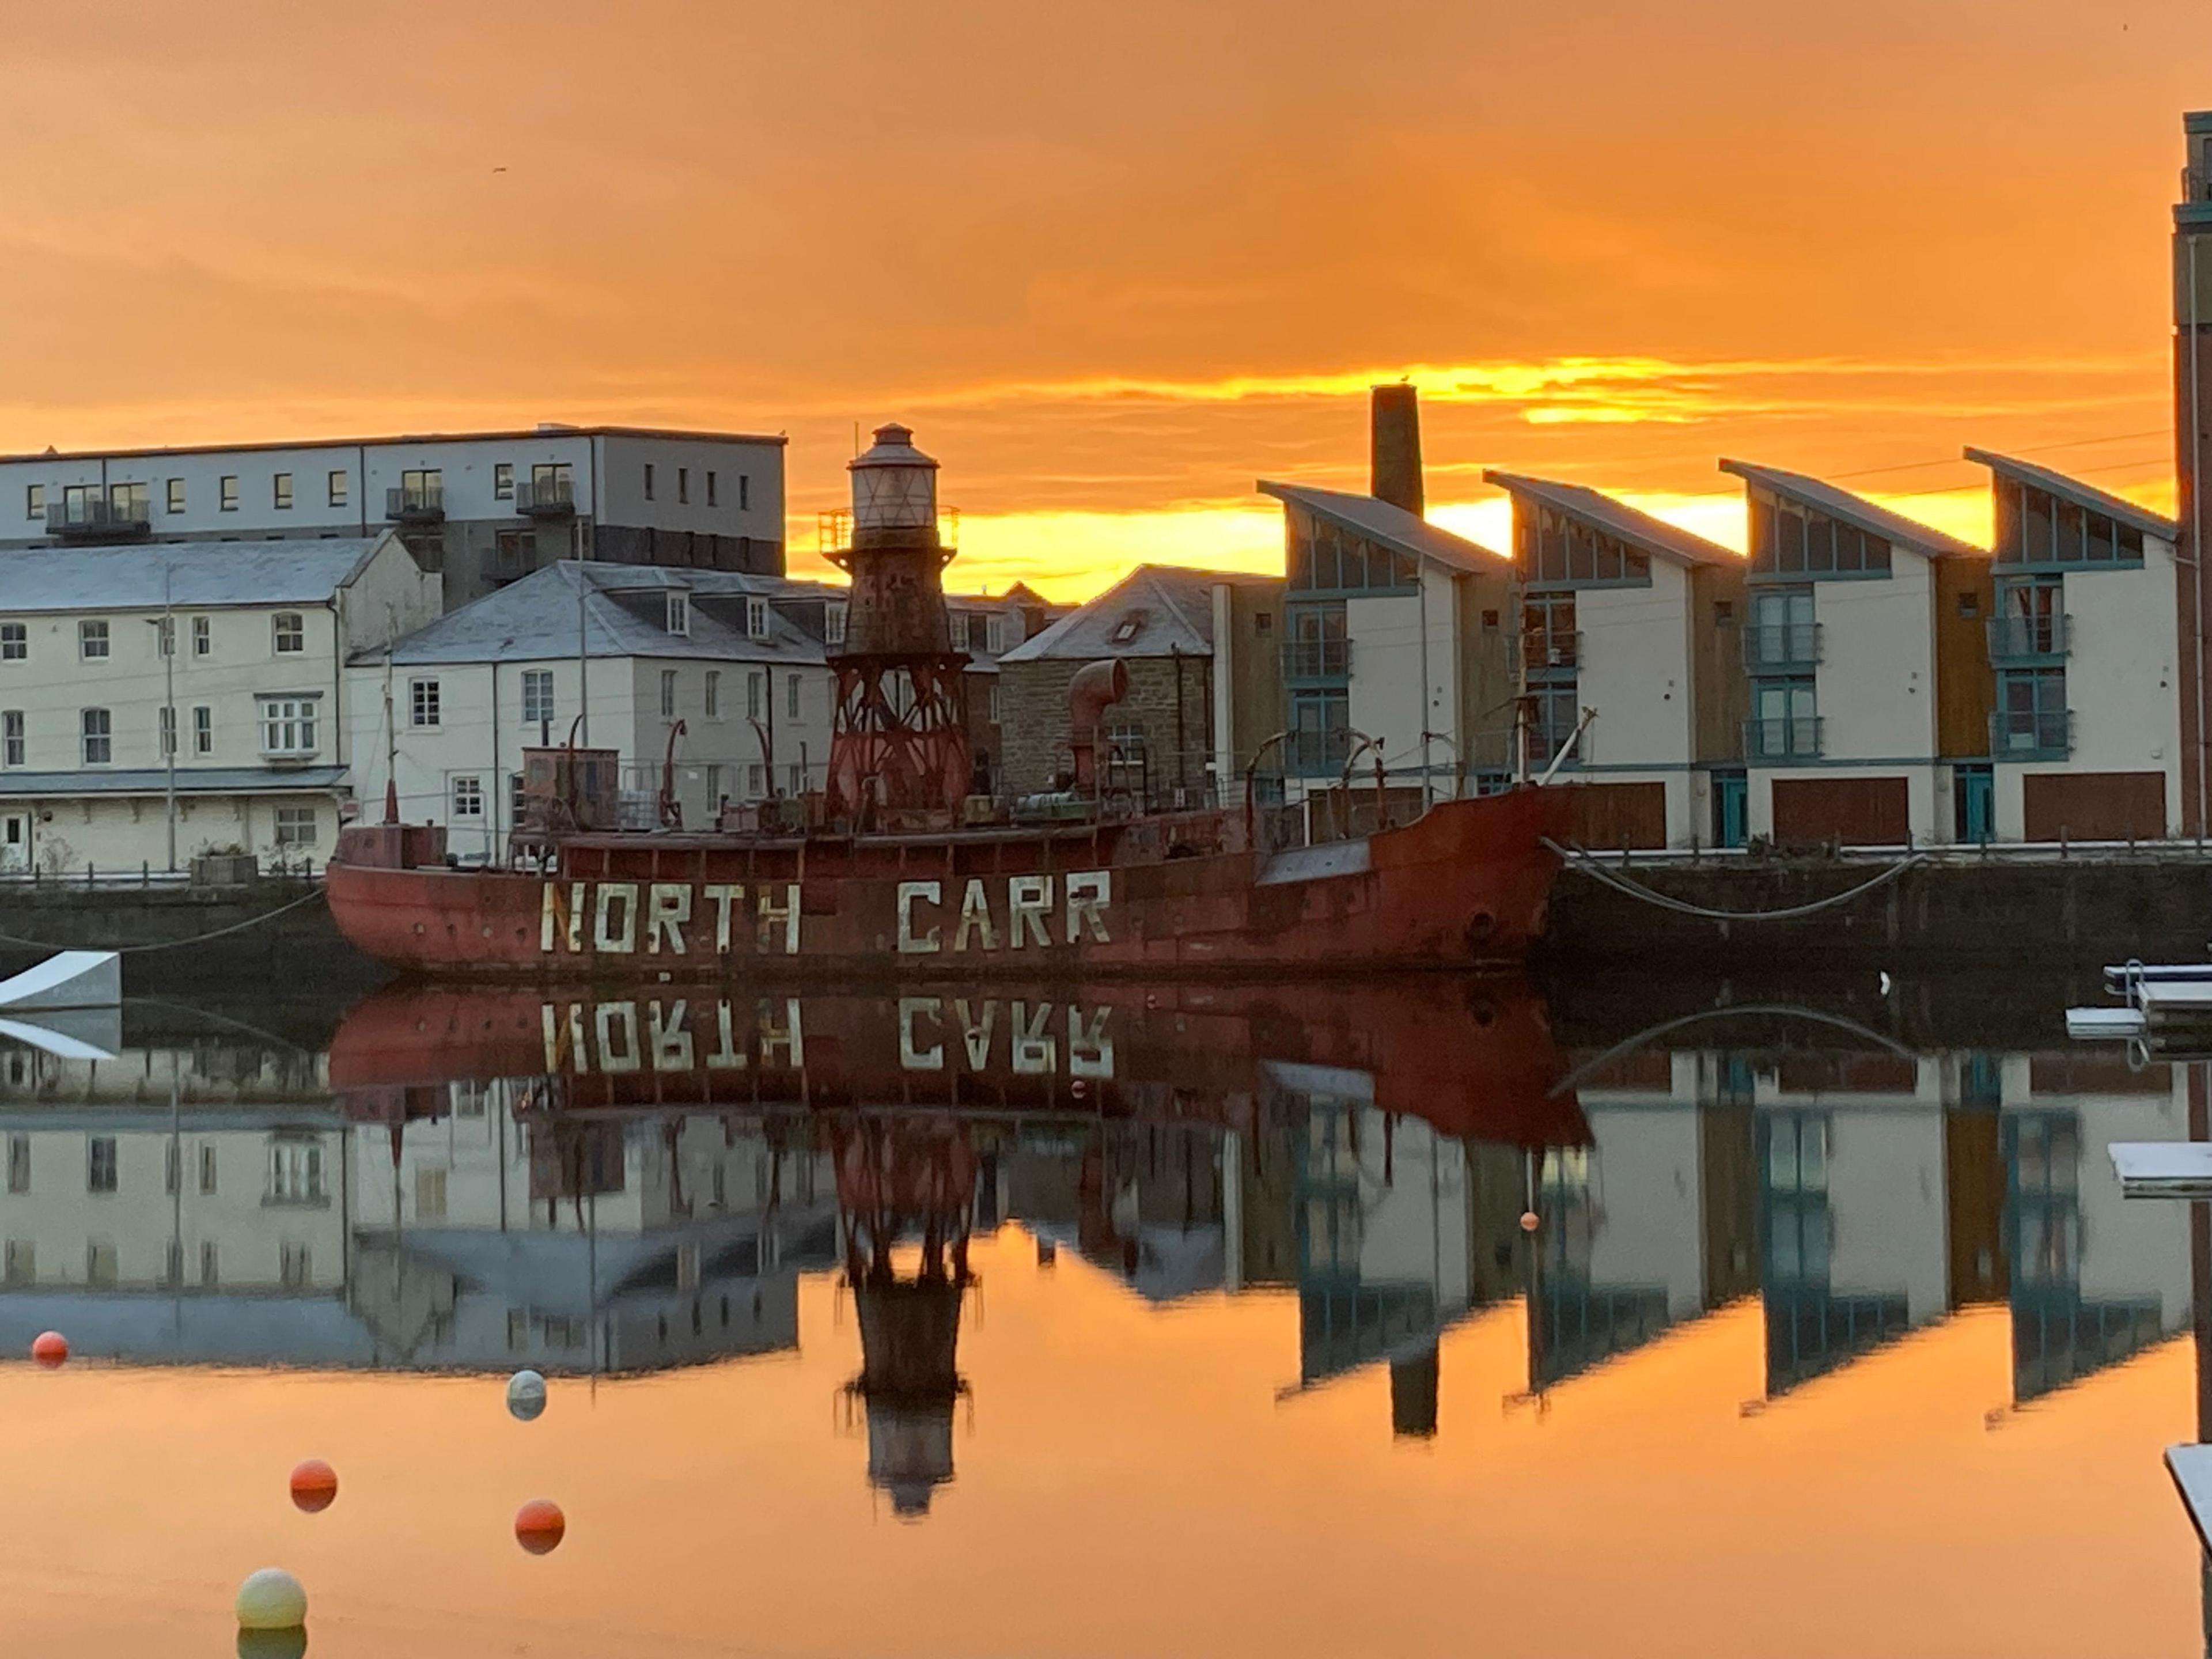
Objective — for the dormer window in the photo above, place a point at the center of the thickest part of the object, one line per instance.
(757, 619)
(679, 613)
(1126, 630)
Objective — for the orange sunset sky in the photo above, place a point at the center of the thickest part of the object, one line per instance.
(1113, 263)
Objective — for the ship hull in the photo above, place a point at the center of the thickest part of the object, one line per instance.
(1464, 886)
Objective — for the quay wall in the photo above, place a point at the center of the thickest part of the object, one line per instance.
(297, 952)
(2001, 914)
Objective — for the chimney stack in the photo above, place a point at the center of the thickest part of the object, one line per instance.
(1395, 456)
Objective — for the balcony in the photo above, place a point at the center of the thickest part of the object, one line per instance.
(2030, 638)
(2032, 734)
(546, 498)
(100, 519)
(1317, 660)
(1794, 738)
(1543, 653)
(1780, 647)
(423, 503)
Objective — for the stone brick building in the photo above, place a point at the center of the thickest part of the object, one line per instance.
(1160, 738)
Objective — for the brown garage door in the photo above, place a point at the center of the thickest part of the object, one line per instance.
(1849, 811)
(2093, 806)
(1616, 815)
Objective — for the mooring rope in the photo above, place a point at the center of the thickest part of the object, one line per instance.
(1590, 866)
(1734, 1010)
(173, 944)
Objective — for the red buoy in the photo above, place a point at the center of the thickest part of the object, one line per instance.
(50, 1348)
(314, 1486)
(540, 1525)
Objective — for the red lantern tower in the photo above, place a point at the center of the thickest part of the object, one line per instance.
(898, 749)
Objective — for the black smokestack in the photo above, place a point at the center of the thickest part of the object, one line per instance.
(1394, 463)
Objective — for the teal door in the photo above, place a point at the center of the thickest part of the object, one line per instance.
(1730, 809)
(1977, 804)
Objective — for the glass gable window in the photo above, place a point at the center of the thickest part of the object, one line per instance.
(1551, 546)
(1324, 557)
(1792, 539)
(2036, 527)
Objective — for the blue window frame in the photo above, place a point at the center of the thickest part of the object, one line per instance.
(1322, 558)
(1790, 538)
(1318, 647)
(2030, 722)
(2034, 527)
(1320, 736)
(1554, 548)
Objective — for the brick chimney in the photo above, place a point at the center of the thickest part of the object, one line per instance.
(1394, 463)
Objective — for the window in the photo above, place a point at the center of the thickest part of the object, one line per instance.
(1785, 723)
(210, 1277)
(280, 490)
(552, 484)
(421, 490)
(19, 1163)
(1970, 606)
(288, 725)
(1321, 722)
(15, 642)
(100, 1166)
(1790, 538)
(1553, 712)
(129, 503)
(833, 622)
(1551, 546)
(713, 697)
(296, 1172)
(1723, 613)
(516, 795)
(22, 1261)
(536, 695)
(468, 798)
(756, 780)
(291, 633)
(294, 1266)
(744, 492)
(34, 502)
(2031, 717)
(2035, 527)
(203, 730)
(711, 491)
(429, 1194)
(98, 730)
(100, 1262)
(797, 779)
(649, 481)
(668, 693)
(753, 697)
(173, 1164)
(202, 637)
(167, 730)
(994, 701)
(1131, 624)
(176, 495)
(172, 1264)
(336, 483)
(683, 485)
(994, 633)
(1782, 636)
(791, 696)
(92, 640)
(296, 826)
(207, 1168)
(1327, 558)
(757, 619)
(11, 737)
(164, 636)
(715, 797)
(79, 502)
(1319, 647)
(679, 613)
(423, 703)
(502, 482)
(227, 493)
(2029, 619)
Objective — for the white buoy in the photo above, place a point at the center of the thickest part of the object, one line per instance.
(525, 1397)
(271, 1599)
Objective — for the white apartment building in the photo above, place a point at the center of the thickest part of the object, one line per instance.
(1862, 648)
(1629, 620)
(1396, 635)
(482, 509)
(228, 661)
(2084, 728)
(725, 672)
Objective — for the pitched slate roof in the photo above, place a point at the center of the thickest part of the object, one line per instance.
(1893, 527)
(195, 576)
(1170, 607)
(1380, 521)
(1653, 536)
(537, 618)
(2084, 496)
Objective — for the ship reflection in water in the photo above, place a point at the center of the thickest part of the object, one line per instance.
(1393, 1179)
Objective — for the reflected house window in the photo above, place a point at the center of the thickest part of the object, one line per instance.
(22, 1261)
(209, 1275)
(430, 1194)
(100, 1262)
(295, 1173)
(99, 1164)
(19, 1163)
(172, 1265)
(295, 1267)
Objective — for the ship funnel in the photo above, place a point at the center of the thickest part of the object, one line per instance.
(1394, 447)
(1094, 689)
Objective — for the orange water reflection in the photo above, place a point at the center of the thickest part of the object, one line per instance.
(1129, 1482)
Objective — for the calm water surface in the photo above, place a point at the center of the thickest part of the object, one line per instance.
(1406, 1320)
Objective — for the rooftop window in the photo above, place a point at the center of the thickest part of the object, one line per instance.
(1551, 546)
(2034, 527)
(1789, 538)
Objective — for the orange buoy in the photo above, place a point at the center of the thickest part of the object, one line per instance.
(540, 1525)
(314, 1486)
(50, 1348)
(1529, 1221)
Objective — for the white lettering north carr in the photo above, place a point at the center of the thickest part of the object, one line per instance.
(611, 917)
